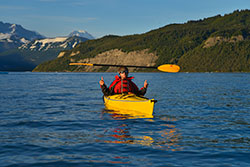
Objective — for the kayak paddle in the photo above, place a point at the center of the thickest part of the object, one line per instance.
(164, 67)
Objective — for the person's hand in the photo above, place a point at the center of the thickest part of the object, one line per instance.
(101, 81)
(145, 84)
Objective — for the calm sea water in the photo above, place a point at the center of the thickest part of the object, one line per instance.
(58, 119)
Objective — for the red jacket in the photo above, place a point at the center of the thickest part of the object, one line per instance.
(119, 86)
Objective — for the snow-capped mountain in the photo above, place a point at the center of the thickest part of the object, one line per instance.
(40, 50)
(14, 35)
(81, 33)
(21, 49)
(53, 43)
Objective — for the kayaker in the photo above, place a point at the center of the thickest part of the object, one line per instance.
(122, 84)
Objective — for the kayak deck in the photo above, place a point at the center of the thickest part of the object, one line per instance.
(130, 104)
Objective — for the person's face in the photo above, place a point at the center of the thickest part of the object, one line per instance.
(123, 74)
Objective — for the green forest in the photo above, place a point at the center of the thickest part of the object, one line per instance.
(186, 45)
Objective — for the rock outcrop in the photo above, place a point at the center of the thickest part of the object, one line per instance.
(212, 41)
(118, 57)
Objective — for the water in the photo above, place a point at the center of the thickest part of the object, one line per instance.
(58, 119)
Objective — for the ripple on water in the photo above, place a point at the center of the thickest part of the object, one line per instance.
(58, 119)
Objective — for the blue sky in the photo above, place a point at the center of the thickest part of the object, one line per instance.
(103, 17)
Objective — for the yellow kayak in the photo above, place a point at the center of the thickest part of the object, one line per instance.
(130, 104)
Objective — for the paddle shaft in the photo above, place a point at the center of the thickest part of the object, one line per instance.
(113, 65)
(164, 67)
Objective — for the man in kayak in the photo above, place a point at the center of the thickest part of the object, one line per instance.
(122, 84)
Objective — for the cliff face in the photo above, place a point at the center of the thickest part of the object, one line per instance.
(118, 57)
(212, 41)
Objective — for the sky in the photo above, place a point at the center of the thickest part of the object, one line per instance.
(53, 18)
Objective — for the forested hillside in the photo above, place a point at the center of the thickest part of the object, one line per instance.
(216, 44)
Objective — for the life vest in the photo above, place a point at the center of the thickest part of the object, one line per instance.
(123, 85)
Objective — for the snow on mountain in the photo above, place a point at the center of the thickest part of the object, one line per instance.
(81, 33)
(13, 28)
(53, 43)
(44, 44)
(14, 35)
(18, 31)
(23, 40)
(30, 48)
(4, 36)
(68, 42)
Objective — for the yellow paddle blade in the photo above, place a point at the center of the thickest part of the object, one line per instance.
(81, 64)
(169, 68)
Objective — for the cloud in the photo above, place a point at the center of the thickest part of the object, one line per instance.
(13, 7)
(72, 2)
(62, 1)
(64, 18)
(48, 0)
(80, 3)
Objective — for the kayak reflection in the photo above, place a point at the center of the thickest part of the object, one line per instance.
(121, 135)
(166, 138)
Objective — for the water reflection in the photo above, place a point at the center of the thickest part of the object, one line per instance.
(170, 136)
(166, 138)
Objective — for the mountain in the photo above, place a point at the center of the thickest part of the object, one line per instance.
(81, 33)
(53, 43)
(34, 51)
(39, 51)
(215, 44)
(14, 35)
